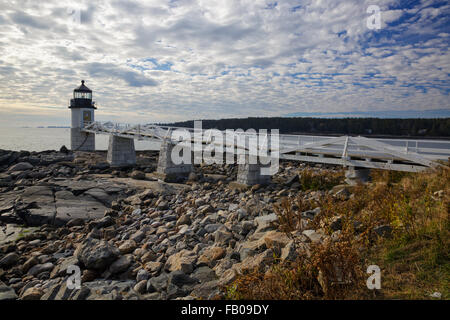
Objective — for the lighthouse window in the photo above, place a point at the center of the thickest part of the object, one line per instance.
(83, 95)
(86, 116)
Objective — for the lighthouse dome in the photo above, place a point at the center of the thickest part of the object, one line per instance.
(82, 97)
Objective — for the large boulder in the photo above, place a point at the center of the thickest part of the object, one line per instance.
(211, 255)
(127, 246)
(9, 260)
(21, 166)
(40, 268)
(276, 241)
(314, 236)
(183, 260)
(137, 175)
(265, 223)
(32, 294)
(121, 264)
(96, 254)
(7, 293)
(258, 262)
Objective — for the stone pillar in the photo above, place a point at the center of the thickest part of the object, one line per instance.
(121, 151)
(169, 171)
(250, 174)
(357, 175)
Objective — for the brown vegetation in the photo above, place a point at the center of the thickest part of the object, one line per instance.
(413, 255)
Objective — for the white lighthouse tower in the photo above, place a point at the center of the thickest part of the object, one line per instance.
(82, 108)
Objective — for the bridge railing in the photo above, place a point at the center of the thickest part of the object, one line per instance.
(331, 149)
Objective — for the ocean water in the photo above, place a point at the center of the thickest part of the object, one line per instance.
(40, 139)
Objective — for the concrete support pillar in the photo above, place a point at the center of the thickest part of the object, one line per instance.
(169, 171)
(250, 174)
(81, 141)
(357, 175)
(121, 151)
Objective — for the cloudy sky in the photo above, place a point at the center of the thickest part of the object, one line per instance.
(156, 61)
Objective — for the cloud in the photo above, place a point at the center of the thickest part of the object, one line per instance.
(157, 61)
(109, 70)
(24, 19)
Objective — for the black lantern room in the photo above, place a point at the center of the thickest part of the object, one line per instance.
(82, 97)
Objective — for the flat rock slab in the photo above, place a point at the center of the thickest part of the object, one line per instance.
(156, 186)
(78, 187)
(11, 232)
(69, 206)
(60, 200)
(45, 206)
(42, 203)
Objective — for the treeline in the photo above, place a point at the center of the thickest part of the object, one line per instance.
(351, 126)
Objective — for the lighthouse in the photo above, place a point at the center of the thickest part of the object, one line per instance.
(83, 109)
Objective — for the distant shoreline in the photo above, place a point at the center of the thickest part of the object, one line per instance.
(381, 136)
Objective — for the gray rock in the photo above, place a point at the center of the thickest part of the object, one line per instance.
(138, 236)
(102, 223)
(101, 196)
(69, 206)
(9, 260)
(163, 205)
(142, 275)
(264, 223)
(32, 294)
(158, 283)
(310, 214)
(242, 213)
(21, 166)
(313, 236)
(183, 260)
(210, 228)
(204, 274)
(184, 220)
(121, 264)
(222, 237)
(383, 231)
(141, 287)
(127, 246)
(109, 290)
(292, 179)
(40, 268)
(174, 291)
(75, 222)
(207, 290)
(336, 223)
(96, 254)
(153, 296)
(30, 263)
(288, 253)
(63, 265)
(247, 226)
(179, 278)
(7, 293)
(138, 175)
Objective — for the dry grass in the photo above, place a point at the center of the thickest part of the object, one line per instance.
(414, 260)
(311, 179)
(289, 213)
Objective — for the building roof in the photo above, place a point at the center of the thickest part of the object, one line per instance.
(82, 88)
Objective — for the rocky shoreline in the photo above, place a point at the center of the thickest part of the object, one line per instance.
(134, 236)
